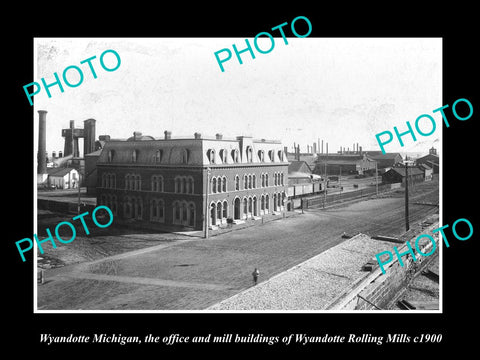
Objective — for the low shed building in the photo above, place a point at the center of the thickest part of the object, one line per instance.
(397, 175)
(63, 178)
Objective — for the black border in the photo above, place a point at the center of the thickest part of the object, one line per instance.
(455, 26)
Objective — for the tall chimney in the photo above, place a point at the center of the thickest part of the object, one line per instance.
(322, 146)
(42, 142)
(88, 136)
(168, 134)
(218, 136)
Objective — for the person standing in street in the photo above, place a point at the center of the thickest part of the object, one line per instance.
(255, 276)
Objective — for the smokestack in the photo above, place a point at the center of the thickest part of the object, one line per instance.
(322, 146)
(168, 134)
(314, 147)
(197, 135)
(88, 136)
(218, 136)
(42, 142)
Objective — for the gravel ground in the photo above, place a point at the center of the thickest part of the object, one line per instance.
(313, 284)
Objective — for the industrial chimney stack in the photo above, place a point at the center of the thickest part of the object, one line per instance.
(42, 145)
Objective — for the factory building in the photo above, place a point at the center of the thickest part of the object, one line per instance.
(431, 160)
(398, 175)
(175, 182)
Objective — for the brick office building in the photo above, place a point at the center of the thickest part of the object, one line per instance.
(164, 181)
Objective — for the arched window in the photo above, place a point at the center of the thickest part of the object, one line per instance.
(235, 155)
(127, 182)
(237, 182)
(261, 155)
(225, 209)
(158, 155)
(281, 179)
(254, 181)
(138, 182)
(266, 179)
(219, 184)
(275, 179)
(271, 155)
(280, 155)
(263, 180)
(176, 213)
(249, 181)
(185, 156)
(134, 155)
(249, 152)
(211, 156)
(219, 211)
(223, 155)
(191, 214)
(183, 182)
(190, 182)
(214, 185)
(245, 181)
(224, 184)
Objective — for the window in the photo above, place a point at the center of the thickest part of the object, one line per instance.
(185, 156)
(214, 185)
(263, 180)
(157, 210)
(266, 179)
(158, 155)
(223, 155)
(134, 156)
(249, 181)
(138, 183)
(237, 182)
(261, 155)
(225, 209)
(270, 155)
(235, 155)
(224, 184)
(280, 155)
(190, 182)
(211, 156)
(281, 179)
(219, 184)
(245, 181)
(249, 152)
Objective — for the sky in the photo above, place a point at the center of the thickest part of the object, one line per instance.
(339, 90)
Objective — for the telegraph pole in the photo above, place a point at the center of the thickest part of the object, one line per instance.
(207, 188)
(325, 181)
(407, 225)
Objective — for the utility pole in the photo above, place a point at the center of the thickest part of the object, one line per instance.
(407, 225)
(207, 188)
(78, 205)
(325, 181)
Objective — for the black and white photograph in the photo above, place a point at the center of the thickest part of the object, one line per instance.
(217, 181)
(237, 189)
